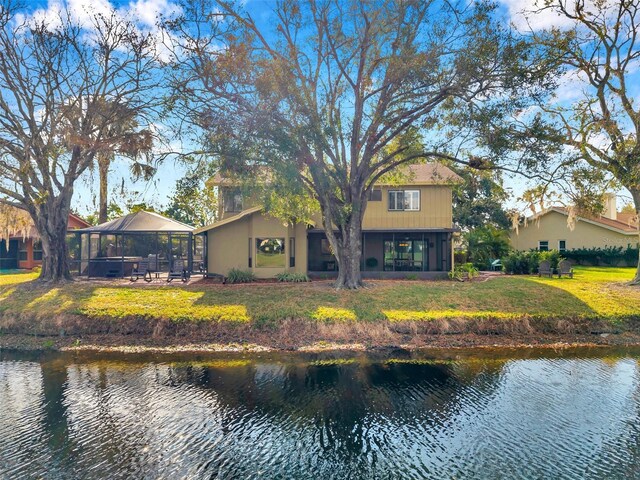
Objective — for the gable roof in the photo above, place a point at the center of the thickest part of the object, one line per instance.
(72, 218)
(141, 221)
(625, 228)
(79, 220)
(418, 174)
(226, 221)
(428, 174)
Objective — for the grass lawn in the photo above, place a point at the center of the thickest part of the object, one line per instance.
(593, 292)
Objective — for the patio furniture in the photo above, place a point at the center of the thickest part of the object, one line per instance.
(141, 269)
(564, 268)
(496, 265)
(329, 266)
(178, 272)
(545, 269)
(154, 265)
(111, 249)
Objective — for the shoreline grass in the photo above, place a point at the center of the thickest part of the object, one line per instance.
(596, 294)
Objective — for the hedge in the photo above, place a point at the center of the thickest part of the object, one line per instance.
(616, 256)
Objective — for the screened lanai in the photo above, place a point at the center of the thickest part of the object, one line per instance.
(114, 248)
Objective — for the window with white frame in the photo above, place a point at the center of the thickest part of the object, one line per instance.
(543, 245)
(404, 200)
(562, 246)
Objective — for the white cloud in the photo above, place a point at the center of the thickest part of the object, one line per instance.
(528, 14)
(147, 12)
(533, 15)
(144, 13)
(571, 86)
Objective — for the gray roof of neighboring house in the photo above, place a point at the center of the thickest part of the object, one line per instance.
(140, 222)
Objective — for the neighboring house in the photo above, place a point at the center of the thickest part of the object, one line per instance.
(406, 228)
(549, 230)
(26, 252)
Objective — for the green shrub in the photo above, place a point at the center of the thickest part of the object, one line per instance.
(412, 276)
(552, 256)
(371, 262)
(604, 256)
(236, 275)
(460, 256)
(292, 277)
(463, 272)
(485, 244)
(518, 263)
(524, 263)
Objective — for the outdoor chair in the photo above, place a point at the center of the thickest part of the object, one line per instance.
(178, 272)
(496, 265)
(545, 269)
(154, 266)
(564, 268)
(141, 270)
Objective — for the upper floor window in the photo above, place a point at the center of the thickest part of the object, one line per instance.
(543, 245)
(232, 200)
(400, 200)
(375, 194)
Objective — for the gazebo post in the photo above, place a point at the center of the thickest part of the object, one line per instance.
(89, 257)
(121, 251)
(190, 253)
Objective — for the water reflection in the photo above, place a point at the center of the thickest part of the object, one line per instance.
(67, 416)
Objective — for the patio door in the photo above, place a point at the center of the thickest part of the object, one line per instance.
(405, 254)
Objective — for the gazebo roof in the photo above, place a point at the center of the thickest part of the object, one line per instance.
(140, 222)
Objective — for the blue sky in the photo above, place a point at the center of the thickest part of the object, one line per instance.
(145, 13)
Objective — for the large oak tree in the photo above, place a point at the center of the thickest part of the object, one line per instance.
(65, 87)
(333, 94)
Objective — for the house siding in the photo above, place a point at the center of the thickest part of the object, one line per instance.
(552, 227)
(435, 210)
(228, 246)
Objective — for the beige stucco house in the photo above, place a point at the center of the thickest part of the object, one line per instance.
(406, 228)
(549, 230)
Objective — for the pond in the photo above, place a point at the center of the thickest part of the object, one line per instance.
(460, 414)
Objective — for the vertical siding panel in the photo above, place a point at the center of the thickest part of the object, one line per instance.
(435, 210)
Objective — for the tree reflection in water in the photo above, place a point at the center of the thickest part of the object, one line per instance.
(292, 417)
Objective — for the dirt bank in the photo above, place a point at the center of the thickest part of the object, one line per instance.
(139, 333)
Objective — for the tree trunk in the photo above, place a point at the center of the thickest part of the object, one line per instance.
(51, 222)
(635, 193)
(103, 169)
(348, 254)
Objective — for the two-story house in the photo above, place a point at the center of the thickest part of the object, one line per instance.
(406, 228)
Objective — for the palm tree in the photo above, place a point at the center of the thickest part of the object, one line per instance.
(135, 144)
